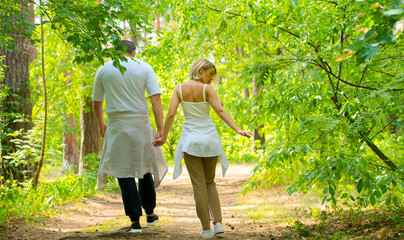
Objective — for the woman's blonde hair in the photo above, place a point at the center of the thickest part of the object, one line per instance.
(194, 72)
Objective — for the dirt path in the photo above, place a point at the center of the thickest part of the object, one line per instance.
(103, 214)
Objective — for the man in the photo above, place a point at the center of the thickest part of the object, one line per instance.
(128, 152)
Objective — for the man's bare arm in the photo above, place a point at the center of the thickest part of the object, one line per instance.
(99, 115)
(158, 114)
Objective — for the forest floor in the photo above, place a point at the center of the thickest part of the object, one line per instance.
(269, 214)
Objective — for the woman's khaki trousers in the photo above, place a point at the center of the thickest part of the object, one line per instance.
(202, 173)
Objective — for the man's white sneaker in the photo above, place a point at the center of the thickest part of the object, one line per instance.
(217, 229)
(135, 228)
(152, 220)
(206, 234)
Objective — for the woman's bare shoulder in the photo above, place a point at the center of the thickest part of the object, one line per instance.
(210, 89)
(192, 83)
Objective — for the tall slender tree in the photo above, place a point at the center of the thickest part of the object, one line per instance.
(16, 107)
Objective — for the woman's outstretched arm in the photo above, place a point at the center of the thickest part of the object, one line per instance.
(169, 118)
(223, 114)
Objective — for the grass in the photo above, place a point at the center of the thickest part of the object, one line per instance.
(110, 225)
(24, 201)
(303, 216)
(276, 205)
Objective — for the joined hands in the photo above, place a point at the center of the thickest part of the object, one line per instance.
(158, 142)
(158, 139)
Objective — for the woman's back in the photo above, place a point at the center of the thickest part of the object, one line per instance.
(193, 100)
(192, 91)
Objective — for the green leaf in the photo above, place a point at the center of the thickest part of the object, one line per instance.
(324, 199)
(291, 190)
(393, 12)
(384, 37)
(377, 193)
(383, 188)
(371, 50)
(9, 48)
(372, 199)
(49, 199)
(359, 186)
(332, 191)
(397, 218)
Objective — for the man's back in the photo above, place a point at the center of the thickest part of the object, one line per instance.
(125, 93)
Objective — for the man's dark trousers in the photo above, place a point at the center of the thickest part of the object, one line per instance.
(133, 200)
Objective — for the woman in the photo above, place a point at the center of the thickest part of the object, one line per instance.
(200, 144)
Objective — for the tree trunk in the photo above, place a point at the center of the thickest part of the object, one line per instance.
(134, 37)
(393, 126)
(379, 153)
(71, 154)
(246, 93)
(157, 23)
(144, 38)
(256, 132)
(90, 133)
(16, 109)
(33, 53)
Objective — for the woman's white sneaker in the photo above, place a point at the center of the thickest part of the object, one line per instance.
(217, 229)
(206, 234)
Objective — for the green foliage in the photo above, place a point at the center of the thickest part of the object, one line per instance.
(383, 22)
(302, 230)
(93, 29)
(332, 82)
(23, 201)
(3, 95)
(14, 17)
(26, 148)
(91, 162)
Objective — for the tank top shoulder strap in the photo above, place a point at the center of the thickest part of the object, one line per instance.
(204, 87)
(181, 93)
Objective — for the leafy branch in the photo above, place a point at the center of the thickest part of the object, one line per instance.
(388, 74)
(388, 124)
(329, 71)
(260, 21)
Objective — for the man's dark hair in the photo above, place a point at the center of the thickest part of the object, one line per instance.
(130, 47)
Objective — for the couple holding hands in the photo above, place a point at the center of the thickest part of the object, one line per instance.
(132, 150)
